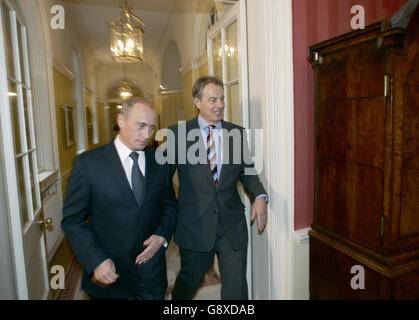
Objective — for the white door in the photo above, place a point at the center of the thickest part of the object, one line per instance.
(227, 60)
(20, 159)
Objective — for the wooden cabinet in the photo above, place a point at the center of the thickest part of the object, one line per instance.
(367, 163)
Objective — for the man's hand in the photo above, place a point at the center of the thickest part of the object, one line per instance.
(152, 245)
(105, 273)
(260, 210)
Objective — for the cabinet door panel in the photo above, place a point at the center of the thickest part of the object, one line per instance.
(355, 72)
(335, 130)
(409, 223)
(350, 201)
(369, 116)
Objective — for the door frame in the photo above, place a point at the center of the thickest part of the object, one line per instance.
(269, 51)
(239, 12)
(11, 180)
(270, 58)
(17, 230)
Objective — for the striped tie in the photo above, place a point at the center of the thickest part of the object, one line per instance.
(212, 154)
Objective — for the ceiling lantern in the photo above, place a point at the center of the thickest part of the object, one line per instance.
(127, 36)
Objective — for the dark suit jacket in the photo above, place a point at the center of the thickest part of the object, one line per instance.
(201, 202)
(99, 189)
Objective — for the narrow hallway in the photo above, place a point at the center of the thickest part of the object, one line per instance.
(329, 110)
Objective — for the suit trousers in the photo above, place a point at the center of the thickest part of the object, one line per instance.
(150, 280)
(232, 264)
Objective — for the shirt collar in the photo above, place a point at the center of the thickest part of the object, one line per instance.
(123, 150)
(204, 124)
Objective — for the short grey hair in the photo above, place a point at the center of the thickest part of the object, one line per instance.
(127, 105)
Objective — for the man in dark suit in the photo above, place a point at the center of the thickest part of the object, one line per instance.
(211, 218)
(132, 209)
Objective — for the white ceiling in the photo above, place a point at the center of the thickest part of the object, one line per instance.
(89, 19)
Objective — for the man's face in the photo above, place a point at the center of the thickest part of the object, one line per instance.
(211, 106)
(137, 128)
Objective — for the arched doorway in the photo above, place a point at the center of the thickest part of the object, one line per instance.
(111, 109)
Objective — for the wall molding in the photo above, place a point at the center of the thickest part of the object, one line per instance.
(66, 175)
(47, 179)
(301, 236)
(86, 90)
(186, 68)
(62, 69)
(170, 92)
(193, 64)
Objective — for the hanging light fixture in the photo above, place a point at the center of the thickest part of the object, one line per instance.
(127, 36)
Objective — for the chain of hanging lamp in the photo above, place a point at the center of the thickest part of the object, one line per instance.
(126, 43)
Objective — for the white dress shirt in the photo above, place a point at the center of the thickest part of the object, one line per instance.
(126, 160)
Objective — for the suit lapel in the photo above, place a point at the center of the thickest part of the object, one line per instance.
(227, 151)
(149, 168)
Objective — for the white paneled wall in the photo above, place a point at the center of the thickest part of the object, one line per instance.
(271, 109)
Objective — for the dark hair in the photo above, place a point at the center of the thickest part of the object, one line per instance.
(126, 107)
(200, 84)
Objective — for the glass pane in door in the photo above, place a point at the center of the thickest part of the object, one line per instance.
(234, 107)
(14, 113)
(7, 39)
(217, 55)
(32, 169)
(232, 56)
(28, 113)
(20, 30)
(20, 172)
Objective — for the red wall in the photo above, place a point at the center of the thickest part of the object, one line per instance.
(315, 21)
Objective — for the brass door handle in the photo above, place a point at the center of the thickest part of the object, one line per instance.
(47, 222)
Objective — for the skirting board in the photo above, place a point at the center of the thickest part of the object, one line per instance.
(301, 265)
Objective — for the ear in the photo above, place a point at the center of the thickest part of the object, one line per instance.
(120, 119)
(197, 103)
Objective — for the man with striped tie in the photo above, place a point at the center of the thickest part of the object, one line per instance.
(211, 217)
